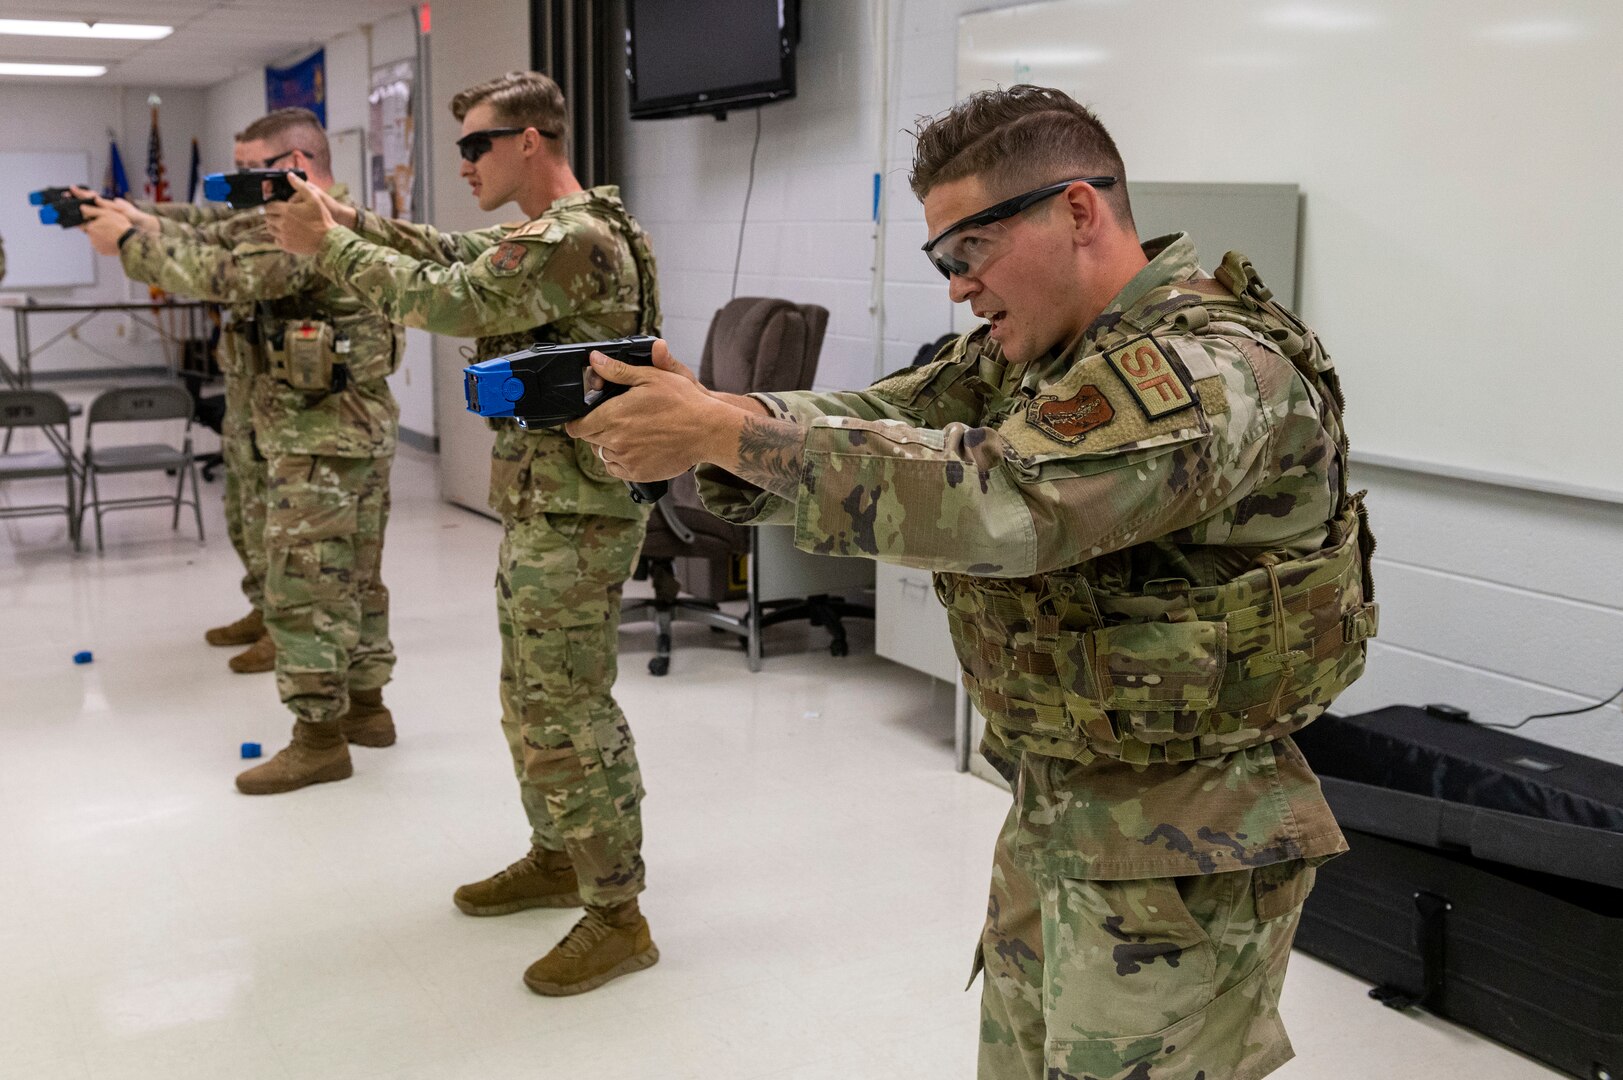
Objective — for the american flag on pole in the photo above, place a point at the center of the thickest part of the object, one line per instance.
(157, 185)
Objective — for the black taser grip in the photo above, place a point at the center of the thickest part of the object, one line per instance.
(544, 385)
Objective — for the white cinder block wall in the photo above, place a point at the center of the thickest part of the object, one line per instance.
(1503, 602)
(810, 236)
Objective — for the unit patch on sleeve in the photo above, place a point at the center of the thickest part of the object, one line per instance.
(507, 257)
(1069, 420)
(1152, 375)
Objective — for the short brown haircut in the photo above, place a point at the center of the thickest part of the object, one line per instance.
(292, 129)
(1017, 139)
(521, 99)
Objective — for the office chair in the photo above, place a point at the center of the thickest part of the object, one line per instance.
(755, 344)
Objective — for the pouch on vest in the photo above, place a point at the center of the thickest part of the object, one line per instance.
(1161, 666)
(309, 356)
(1161, 679)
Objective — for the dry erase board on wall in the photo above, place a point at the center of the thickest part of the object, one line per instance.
(42, 256)
(1461, 171)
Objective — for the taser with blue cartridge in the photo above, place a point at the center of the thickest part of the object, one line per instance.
(59, 206)
(251, 187)
(547, 384)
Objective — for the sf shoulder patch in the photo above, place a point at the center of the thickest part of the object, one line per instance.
(507, 257)
(1154, 378)
(1069, 420)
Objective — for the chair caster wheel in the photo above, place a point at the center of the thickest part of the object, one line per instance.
(838, 648)
(659, 665)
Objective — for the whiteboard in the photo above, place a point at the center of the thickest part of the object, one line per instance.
(42, 256)
(1462, 180)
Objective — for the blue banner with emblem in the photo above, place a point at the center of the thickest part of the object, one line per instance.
(302, 85)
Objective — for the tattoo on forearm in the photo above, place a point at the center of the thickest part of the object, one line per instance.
(770, 455)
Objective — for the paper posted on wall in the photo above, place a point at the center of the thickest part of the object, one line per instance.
(392, 137)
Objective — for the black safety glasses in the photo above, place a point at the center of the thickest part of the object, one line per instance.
(270, 163)
(968, 244)
(476, 144)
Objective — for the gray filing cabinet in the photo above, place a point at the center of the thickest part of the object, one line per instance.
(910, 627)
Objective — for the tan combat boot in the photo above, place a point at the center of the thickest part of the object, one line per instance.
(245, 631)
(605, 944)
(368, 722)
(317, 754)
(541, 879)
(260, 656)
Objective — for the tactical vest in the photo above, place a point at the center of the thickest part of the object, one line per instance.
(293, 340)
(648, 318)
(1061, 664)
(543, 469)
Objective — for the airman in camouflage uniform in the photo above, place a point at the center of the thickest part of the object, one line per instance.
(244, 465)
(326, 423)
(580, 270)
(1153, 572)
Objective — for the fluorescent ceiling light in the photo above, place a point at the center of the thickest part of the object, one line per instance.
(1056, 56)
(1535, 31)
(1324, 17)
(76, 71)
(105, 30)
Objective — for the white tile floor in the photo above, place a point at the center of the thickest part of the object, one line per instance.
(817, 871)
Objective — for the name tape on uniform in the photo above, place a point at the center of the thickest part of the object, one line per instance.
(1152, 376)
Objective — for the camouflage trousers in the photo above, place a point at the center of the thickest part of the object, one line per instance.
(325, 603)
(245, 508)
(558, 587)
(1151, 979)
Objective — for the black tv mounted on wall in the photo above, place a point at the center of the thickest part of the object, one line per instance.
(709, 56)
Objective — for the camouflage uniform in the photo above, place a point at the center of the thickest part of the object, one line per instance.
(327, 450)
(582, 271)
(1153, 573)
(244, 464)
(185, 213)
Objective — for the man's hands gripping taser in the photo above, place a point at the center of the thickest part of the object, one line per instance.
(302, 223)
(690, 425)
(551, 384)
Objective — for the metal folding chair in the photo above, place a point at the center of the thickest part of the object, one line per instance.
(48, 412)
(137, 404)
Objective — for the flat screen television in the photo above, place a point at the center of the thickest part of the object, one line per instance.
(709, 56)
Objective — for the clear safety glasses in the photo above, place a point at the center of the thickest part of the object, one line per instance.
(965, 246)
